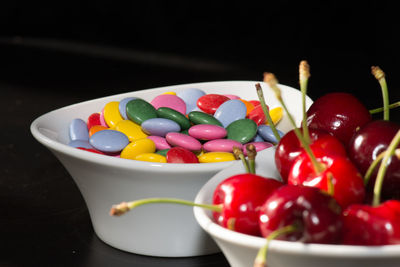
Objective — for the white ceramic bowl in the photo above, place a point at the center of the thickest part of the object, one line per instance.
(155, 230)
(240, 249)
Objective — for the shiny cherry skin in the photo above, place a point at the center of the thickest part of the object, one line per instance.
(371, 140)
(241, 197)
(348, 185)
(316, 214)
(340, 114)
(289, 148)
(372, 226)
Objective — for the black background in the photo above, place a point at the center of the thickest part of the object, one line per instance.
(60, 53)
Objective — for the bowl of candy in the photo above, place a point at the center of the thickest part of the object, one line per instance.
(166, 142)
(328, 194)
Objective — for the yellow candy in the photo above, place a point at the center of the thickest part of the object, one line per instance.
(138, 147)
(169, 93)
(111, 114)
(152, 157)
(210, 157)
(130, 129)
(276, 115)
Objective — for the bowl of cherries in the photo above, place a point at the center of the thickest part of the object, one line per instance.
(326, 195)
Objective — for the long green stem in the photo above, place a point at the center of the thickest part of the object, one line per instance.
(238, 153)
(261, 257)
(377, 110)
(304, 75)
(271, 80)
(380, 76)
(260, 95)
(372, 167)
(127, 206)
(383, 167)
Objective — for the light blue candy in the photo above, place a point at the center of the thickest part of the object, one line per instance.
(190, 96)
(109, 141)
(257, 138)
(160, 126)
(78, 130)
(266, 133)
(230, 111)
(122, 106)
(80, 143)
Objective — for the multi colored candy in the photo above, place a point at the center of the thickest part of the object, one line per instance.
(188, 126)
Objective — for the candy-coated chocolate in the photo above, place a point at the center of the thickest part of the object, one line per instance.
(257, 138)
(267, 134)
(139, 110)
(232, 96)
(257, 115)
(111, 114)
(160, 126)
(93, 119)
(211, 157)
(275, 114)
(130, 129)
(160, 142)
(122, 106)
(258, 145)
(176, 116)
(242, 130)
(169, 93)
(170, 101)
(151, 157)
(183, 140)
(91, 150)
(109, 141)
(80, 143)
(207, 131)
(249, 106)
(198, 117)
(190, 96)
(210, 103)
(221, 145)
(181, 155)
(138, 147)
(163, 152)
(102, 120)
(78, 130)
(255, 102)
(230, 111)
(96, 128)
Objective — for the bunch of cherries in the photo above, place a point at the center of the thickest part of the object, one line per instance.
(335, 169)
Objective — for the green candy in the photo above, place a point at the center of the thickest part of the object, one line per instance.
(172, 114)
(242, 130)
(138, 110)
(163, 152)
(198, 117)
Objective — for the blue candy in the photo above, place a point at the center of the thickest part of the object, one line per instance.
(80, 143)
(78, 130)
(160, 126)
(190, 96)
(230, 111)
(109, 141)
(122, 106)
(266, 133)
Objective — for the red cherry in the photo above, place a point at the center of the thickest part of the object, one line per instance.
(209, 103)
(340, 114)
(181, 155)
(365, 146)
(316, 215)
(289, 148)
(338, 171)
(372, 226)
(241, 197)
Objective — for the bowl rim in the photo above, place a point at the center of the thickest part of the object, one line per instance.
(205, 220)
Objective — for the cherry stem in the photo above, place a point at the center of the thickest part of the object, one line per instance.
(331, 187)
(377, 110)
(124, 207)
(251, 155)
(238, 153)
(380, 76)
(260, 95)
(372, 167)
(271, 80)
(391, 150)
(304, 75)
(261, 257)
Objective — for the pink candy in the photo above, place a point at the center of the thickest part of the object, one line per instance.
(169, 101)
(183, 140)
(207, 132)
(221, 145)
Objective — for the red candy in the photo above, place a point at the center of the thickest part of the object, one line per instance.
(93, 120)
(257, 115)
(211, 102)
(91, 150)
(181, 155)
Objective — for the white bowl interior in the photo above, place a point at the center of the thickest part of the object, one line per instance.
(156, 230)
(240, 249)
